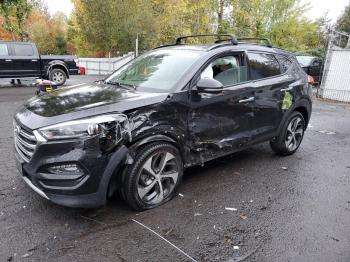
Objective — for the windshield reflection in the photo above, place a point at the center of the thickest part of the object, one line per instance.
(156, 71)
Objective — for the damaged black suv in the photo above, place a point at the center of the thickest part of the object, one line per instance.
(171, 108)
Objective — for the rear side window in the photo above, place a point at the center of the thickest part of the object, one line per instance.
(3, 49)
(284, 62)
(23, 50)
(316, 63)
(263, 65)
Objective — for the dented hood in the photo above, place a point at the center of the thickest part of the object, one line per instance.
(82, 101)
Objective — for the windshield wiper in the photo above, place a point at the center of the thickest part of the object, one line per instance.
(118, 83)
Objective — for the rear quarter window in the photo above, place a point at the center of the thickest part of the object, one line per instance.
(263, 65)
(4, 50)
(23, 50)
(285, 63)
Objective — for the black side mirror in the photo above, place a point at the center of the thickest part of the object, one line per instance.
(209, 85)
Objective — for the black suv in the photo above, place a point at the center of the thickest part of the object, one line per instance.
(171, 108)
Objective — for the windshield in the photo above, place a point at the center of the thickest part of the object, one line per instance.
(305, 60)
(155, 71)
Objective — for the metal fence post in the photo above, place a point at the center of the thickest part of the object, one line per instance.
(348, 44)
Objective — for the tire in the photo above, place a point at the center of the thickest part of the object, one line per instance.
(291, 136)
(148, 182)
(58, 76)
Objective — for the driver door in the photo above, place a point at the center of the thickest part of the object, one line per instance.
(222, 123)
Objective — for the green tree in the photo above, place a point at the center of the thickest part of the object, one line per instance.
(15, 14)
(48, 32)
(343, 22)
(280, 20)
(112, 29)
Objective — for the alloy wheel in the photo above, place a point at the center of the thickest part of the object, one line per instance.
(295, 132)
(158, 177)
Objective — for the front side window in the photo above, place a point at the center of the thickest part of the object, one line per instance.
(23, 50)
(156, 71)
(3, 50)
(263, 65)
(227, 70)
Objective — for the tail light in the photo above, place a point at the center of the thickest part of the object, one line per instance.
(310, 80)
(76, 60)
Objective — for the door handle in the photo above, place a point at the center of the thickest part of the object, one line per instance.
(34, 60)
(287, 89)
(247, 100)
(8, 60)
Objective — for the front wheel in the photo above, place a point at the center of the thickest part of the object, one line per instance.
(58, 76)
(154, 176)
(291, 135)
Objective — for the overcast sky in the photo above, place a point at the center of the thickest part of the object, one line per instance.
(318, 7)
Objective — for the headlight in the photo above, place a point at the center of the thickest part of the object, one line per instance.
(114, 127)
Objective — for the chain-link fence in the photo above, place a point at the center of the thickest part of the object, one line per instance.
(336, 74)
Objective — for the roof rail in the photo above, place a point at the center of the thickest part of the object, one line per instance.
(267, 40)
(231, 37)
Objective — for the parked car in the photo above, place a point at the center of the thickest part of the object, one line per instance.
(312, 66)
(171, 108)
(22, 59)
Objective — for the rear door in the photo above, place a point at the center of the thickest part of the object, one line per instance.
(221, 123)
(269, 83)
(5, 60)
(26, 60)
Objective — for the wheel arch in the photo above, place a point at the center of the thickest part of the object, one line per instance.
(302, 110)
(117, 178)
(57, 65)
(304, 107)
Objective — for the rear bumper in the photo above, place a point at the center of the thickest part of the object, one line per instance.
(88, 190)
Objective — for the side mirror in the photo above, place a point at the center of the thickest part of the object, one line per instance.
(209, 85)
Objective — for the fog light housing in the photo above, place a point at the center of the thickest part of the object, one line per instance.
(66, 169)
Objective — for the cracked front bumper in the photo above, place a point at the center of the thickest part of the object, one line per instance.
(86, 190)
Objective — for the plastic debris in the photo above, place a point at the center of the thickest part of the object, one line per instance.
(327, 132)
(231, 208)
(197, 214)
(335, 239)
(27, 255)
(235, 247)
(244, 217)
(284, 168)
(251, 201)
(181, 195)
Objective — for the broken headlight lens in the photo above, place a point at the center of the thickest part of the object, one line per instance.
(114, 127)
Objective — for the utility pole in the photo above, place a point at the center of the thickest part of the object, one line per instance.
(137, 46)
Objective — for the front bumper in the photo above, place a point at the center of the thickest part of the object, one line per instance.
(88, 189)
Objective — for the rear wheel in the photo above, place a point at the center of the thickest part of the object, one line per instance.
(291, 135)
(154, 177)
(58, 76)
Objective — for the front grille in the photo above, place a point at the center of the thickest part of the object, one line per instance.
(25, 142)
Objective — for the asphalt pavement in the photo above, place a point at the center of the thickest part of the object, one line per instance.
(249, 206)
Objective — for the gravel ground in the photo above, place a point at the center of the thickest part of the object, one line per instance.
(293, 208)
